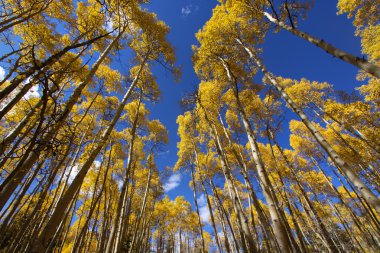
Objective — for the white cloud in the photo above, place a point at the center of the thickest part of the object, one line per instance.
(185, 11)
(173, 182)
(34, 92)
(203, 209)
(120, 183)
(118, 179)
(163, 153)
(109, 25)
(202, 200)
(220, 234)
(188, 9)
(205, 214)
(97, 163)
(2, 73)
(75, 170)
(72, 174)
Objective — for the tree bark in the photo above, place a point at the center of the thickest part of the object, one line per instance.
(45, 236)
(116, 231)
(367, 194)
(40, 68)
(243, 220)
(22, 169)
(266, 185)
(361, 63)
(197, 210)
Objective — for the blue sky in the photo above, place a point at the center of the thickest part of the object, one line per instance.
(185, 18)
(284, 55)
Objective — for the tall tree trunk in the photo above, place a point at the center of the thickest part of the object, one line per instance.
(116, 231)
(20, 126)
(355, 132)
(212, 217)
(221, 219)
(244, 171)
(23, 16)
(94, 203)
(367, 194)
(224, 214)
(51, 226)
(331, 245)
(359, 225)
(143, 207)
(266, 185)
(197, 208)
(15, 82)
(15, 178)
(283, 195)
(243, 220)
(106, 218)
(361, 63)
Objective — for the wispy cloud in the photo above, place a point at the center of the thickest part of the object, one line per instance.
(188, 9)
(202, 200)
(108, 24)
(34, 92)
(163, 153)
(173, 182)
(185, 11)
(203, 209)
(2, 73)
(71, 174)
(97, 164)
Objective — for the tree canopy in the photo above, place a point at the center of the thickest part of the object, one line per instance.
(79, 146)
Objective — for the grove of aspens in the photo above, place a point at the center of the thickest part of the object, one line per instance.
(79, 145)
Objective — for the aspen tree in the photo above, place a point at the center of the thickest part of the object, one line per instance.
(207, 52)
(291, 11)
